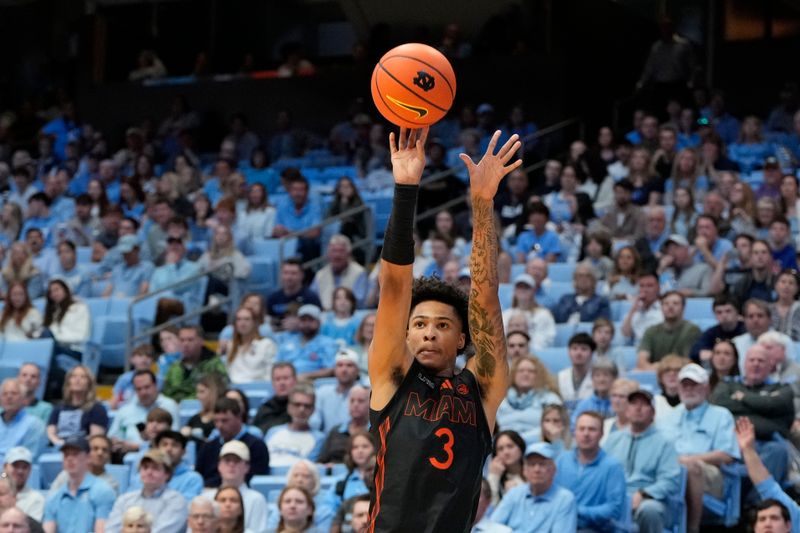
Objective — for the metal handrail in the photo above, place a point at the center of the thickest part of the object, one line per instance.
(530, 168)
(367, 243)
(131, 338)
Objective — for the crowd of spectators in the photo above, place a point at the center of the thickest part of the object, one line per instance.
(701, 205)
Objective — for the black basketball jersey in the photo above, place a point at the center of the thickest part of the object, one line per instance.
(433, 439)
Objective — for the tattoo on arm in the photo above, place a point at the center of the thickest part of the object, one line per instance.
(485, 320)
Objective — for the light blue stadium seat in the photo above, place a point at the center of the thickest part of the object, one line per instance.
(381, 209)
(563, 333)
(584, 327)
(110, 333)
(97, 306)
(619, 309)
(561, 272)
(271, 248)
(505, 292)
(37, 351)
(698, 308)
(50, 464)
(83, 255)
(263, 276)
(35, 479)
(122, 474)
(629, 355)
(517, 269)
(728, 509)
(554, 359)
(119, 306)
(646, 380)
(558, 289)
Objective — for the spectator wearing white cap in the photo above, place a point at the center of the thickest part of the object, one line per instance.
(341, 271)
(331, 401)
(311, 353)
(296, 440)
(704, 440)
(541, 325)
(233, 466)
(538, 505)
(678, 271)
(18, 468)
(131, 276)
(166, 505)
(651, 464)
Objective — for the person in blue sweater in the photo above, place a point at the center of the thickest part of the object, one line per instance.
(651, 464)
(780, 237)
(595, 478)
(584, 305)
(763, 481)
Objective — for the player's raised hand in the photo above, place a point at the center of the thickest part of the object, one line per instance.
(486, 175)
(408, 155)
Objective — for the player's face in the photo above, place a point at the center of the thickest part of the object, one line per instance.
(435, 335)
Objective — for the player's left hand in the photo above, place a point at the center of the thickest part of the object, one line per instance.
(486, 175)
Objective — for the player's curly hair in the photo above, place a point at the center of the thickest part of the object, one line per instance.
(427, 289)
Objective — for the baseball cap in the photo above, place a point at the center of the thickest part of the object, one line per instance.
(347, 354)
(772, 162)
(541, 448)
(464, 273)
(693, 372)
(677, 239)
(309, 310)
(526, 279)
(641, 393)
(127, 243)
(76, 443)
(19, 453)
(237, 448)
(158, 457)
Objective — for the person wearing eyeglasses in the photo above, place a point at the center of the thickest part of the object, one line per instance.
(296, 440)
(176, 266)
(203, 515)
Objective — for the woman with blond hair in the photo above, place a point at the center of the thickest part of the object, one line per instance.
(742, 212)
(137, 520)
(555, 427)
(532, 387)
(667, 374)
(20, 267)
(80, 415)
(250, 356)
(686, 173)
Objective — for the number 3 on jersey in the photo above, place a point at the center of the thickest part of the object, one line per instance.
(447, 447)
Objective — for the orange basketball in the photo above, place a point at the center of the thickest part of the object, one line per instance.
(413, 85)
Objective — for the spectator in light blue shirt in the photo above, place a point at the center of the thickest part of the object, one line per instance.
(536, 240)
(131, 276)
(38, 216)
(311, 354)
(17, 426)
(77, 277)
(332, 400)
(298, 212)
(538, 506)
(84, 502)
(650, 462)
(62, 207)
(703, 437)
(595, 478)
(177, 268)
(765, 484)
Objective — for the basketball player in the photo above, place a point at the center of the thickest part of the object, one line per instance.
(434, 425)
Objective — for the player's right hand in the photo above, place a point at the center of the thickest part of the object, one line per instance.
(408, 155)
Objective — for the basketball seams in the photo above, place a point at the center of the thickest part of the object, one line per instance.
(391, 107)
(406, 87)
(442, 74)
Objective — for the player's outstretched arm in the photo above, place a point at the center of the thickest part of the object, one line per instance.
(485, 319)
(388, 355)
